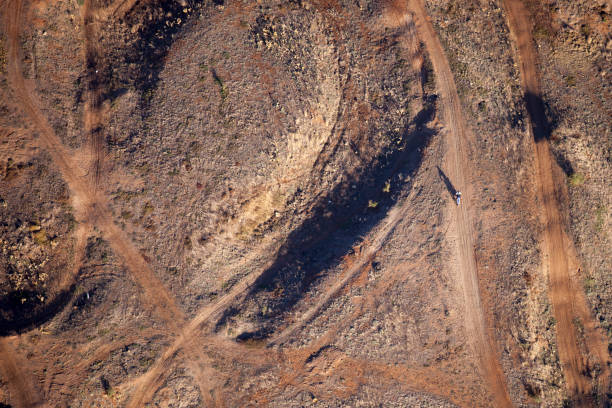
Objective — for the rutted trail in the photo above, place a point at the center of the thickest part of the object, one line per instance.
(89, 207)
(558, 253)
(93, 101)
(458, 168)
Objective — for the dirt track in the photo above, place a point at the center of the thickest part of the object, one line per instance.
(458, 169)
(150, 381)
(558, 253)
(88, 205)
(93, 209)
(23, 393)
(93, 103)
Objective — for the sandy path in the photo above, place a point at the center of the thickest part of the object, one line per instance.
(90, 207)
(152, 379)
(23, 393)
(458, 169)
(566, 297)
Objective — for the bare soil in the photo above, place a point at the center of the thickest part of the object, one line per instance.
(234, 203)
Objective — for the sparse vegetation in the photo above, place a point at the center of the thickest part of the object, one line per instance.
(148, 94)
(126, 215)
(576, 179)
(221, 85)
(187, 243)
(40, 237)
(257, 159)
(589, 284)
(541, 33)
(570, 80)
(147, 209)
(600, 219)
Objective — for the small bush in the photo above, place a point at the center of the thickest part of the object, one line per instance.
(40, 237)
(222, 88)
(541, 32)
(589, 284)
(387, 187)
(576, 179)
(187, 242)
(600, 219)
(126, 215)
(147, 209)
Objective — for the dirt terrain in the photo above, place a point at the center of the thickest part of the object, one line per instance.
(567, 299)
(235, 203)
(457, 169)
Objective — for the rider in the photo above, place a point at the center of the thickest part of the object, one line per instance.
(458, 197)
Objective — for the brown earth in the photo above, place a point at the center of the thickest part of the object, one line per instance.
(22, 390)
(457, 168)
(558, 254)
(264, 213)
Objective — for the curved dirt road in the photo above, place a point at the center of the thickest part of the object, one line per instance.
(91, 208)
(566, 297)
(152, 379)
(457, 168)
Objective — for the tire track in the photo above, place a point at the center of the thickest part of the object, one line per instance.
(152, 379)
(89, 206)
(567, 298)
(94, 99)
(459, 170)
(23, 393)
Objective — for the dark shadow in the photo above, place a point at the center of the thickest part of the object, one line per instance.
(22, 310)
(149, 53)
(537, 113)
(565, 164)
(449, 186)
(337, 223)
(17, 316)
(543, 122)
(137, 62)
